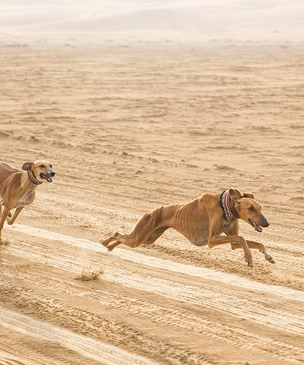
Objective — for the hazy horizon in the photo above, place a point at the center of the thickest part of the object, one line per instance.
(253, 20)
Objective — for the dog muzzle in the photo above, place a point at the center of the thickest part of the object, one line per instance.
(48, 176)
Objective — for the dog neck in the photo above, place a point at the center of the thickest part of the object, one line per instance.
(33, 178)
(229, 211)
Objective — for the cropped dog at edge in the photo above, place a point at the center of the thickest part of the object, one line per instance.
(17, 187)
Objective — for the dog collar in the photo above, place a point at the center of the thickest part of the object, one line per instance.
(225, 205)
(33, 178)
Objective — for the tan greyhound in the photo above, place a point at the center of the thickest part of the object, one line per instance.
(17, 187)
(202, 221)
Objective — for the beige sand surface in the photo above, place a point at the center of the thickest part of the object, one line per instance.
(129, 129)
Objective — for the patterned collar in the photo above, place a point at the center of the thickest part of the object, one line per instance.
(33, 178)
(226, 207)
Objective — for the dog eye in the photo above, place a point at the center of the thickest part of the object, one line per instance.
(42, 166)
(251, 208)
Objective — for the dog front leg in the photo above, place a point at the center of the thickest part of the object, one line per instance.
(255, 245)
(11, 220)
(220, 240)
(4, 214)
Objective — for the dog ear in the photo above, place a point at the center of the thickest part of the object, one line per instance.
(27, 166)
(248, 196)
(235, 194)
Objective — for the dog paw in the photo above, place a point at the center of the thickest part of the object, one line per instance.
(111, 247)
(8, 218)
(102, 241)
(270, 259)
(106, 244)
(249, 262)
(4, 242)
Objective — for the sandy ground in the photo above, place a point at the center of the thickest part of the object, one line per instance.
(128, 129)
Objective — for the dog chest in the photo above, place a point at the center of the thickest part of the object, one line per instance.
(26, 198)
(227, 224)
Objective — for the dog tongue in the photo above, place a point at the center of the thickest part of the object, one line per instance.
(257, 227)
(46, 177)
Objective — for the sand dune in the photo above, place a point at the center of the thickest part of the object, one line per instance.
(194, 21)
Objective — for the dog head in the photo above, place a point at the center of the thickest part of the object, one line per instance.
(248, 209)
(41, 169)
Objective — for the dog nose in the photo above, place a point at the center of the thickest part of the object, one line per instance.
(52, 173)
(265, 222)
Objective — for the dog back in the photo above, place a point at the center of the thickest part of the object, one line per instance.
(6, 171)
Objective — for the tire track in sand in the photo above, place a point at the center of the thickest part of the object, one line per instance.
(181, 319)
(210, 296)
(256, 311)
(160, 263)
(102, 352)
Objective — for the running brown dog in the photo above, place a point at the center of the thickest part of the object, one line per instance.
(202, 221)
(17, 188)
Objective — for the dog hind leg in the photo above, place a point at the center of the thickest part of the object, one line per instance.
(113, 245)
(114, 237)
(155, 235)
(142, 230)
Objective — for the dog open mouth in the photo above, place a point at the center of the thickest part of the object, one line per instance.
(46, 177)
(255, 225)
